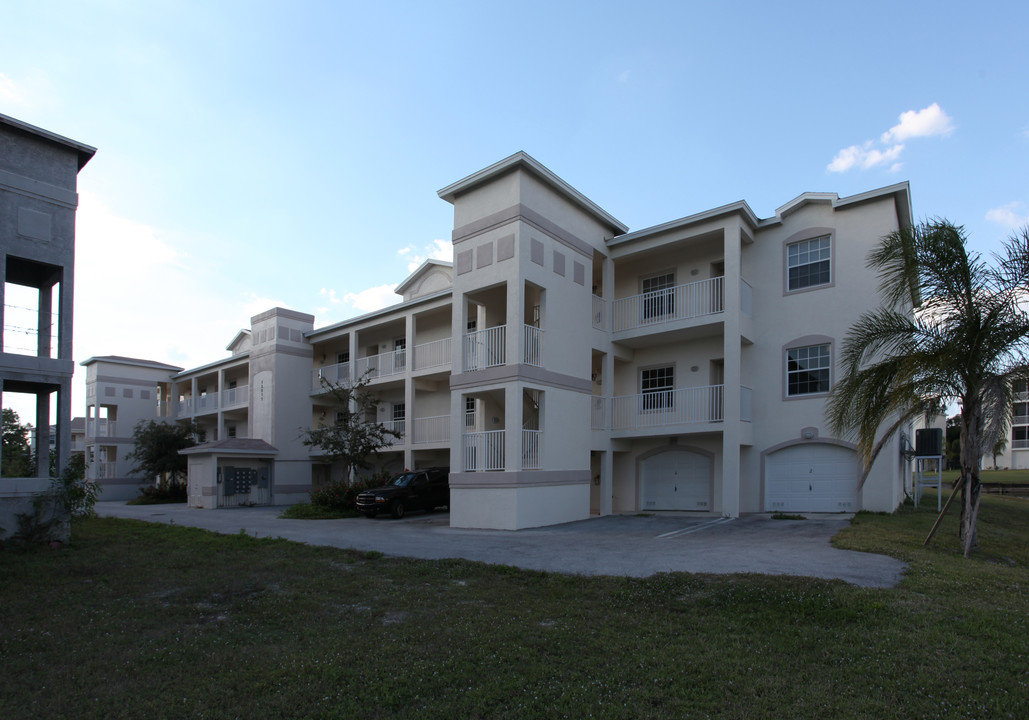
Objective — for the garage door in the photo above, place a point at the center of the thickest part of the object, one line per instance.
(676, 480)
(811, 478)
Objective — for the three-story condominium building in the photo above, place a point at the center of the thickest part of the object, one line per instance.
(564, 366)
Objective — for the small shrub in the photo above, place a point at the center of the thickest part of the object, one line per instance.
(162, 492)
(340, 495)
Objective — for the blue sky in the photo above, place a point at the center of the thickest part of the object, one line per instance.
(253, 154)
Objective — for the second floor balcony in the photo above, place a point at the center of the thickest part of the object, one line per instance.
(101, 428)
(488, 348)
(664, 409)
(683, 302)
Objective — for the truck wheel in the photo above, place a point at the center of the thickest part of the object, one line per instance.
(398, 509)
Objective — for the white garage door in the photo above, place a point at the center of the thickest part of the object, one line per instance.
(811, 478)
(676, 480)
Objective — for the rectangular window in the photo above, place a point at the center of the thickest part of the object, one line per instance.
(807, 263)
(342, 358)
(469, 412)
(807, 370)
(230, 430)
(1020, 437)
(658, 299)
(399, 415)
(657, 385)
(399, 353)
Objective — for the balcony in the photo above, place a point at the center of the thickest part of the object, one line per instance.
(488, 348)
(682, 302)
(206, 403)
(665, 408)
(105, 470)
(485, 348)
(532, 449)
(399, 427)
(101, 428)
(435, 354)
(332, 374)
(434, 429)
(382, 365)
(484, 451)
(236, 397)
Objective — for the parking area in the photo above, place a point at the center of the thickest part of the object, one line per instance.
(629, 545)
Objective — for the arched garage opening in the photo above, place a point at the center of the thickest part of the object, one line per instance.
(676, 479)
(811, 477)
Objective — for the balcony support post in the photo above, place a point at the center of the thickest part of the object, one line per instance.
(732, 352)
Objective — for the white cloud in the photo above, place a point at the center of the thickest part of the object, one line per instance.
(330, 295)
(1012, 215)
(438, 249)
(372, 299)
(10, 92)
(923, 123)
(927, 122)
(865, 156)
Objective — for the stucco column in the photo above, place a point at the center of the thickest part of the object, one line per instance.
(513, 427)
(608, 292)
(42, 434)
(515, 320)
(64, 414)
(732, 350)
(410, 326)
(44, 318)
(606, 481)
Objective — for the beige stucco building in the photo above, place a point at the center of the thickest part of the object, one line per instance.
(564, 366)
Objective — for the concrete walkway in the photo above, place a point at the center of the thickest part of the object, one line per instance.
(626, 545)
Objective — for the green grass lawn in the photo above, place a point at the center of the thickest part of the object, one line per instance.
(134, 620)
(1004, 477)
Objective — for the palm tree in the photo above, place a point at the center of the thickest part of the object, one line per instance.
(952, 327)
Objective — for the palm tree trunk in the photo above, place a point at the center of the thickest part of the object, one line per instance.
(971, 458)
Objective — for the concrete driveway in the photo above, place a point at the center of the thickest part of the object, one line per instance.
(628, 545)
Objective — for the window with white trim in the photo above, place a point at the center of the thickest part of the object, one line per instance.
(469, 412)
(808, 263)
(656, 387)
(658, 299)
(807, 370)
(399, 415)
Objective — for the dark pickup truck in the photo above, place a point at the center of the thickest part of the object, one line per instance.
(410, 490)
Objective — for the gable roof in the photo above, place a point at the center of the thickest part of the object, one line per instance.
(422, 270)
(523, 161)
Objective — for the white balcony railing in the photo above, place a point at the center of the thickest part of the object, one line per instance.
(696, 299)
(397, 426)
(1019, 444)
(434, 429)
(483, 451)
(382, 365)
(333, 375)
(106, 470)
(235, 397)
(485, 348)
(207, 403)
(184, 407)
(533, 346)
(532, 449)
(1020, 420)
(599, 313)
(432, 354)
(668, 407)
(101, 428)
